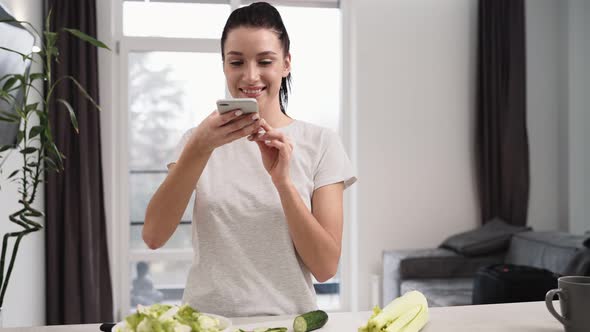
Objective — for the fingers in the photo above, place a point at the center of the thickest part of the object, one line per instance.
(242, 127)
(269, 135)
(285, 148)
(265, 125)
(230, 116)
(242, 122)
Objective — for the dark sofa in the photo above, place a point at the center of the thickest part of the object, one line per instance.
(446, 276)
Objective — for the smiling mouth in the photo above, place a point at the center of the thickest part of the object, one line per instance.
(252, 92)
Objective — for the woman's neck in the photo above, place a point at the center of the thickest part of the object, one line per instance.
(274, 117)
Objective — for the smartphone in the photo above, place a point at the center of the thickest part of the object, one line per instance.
(247, 105)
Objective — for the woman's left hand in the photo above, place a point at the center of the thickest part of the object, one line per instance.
(276, 150)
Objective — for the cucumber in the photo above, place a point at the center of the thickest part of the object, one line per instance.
(310, 321)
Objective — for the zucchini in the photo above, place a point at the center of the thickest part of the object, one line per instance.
(310, 321)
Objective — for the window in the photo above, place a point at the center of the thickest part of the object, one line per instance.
(166, 49)
(175, 20)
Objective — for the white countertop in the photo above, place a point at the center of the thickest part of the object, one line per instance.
(512, 317)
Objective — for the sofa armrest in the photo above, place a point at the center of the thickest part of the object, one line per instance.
(428, 263)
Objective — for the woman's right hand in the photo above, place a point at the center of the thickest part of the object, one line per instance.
(219, 129)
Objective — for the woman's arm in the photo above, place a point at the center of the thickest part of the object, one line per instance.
(317, 234)
(167, 206)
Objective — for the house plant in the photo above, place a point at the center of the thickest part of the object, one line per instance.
(35, 142)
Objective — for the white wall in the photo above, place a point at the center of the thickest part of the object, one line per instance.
(547, 89)
(416, 84)
(579, 115)
(24, 304)
(558, 72)
(415, 64)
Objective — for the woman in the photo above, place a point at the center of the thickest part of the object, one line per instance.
(268, 203)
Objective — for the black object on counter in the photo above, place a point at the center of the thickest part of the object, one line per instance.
(506, 283)
(107, 327)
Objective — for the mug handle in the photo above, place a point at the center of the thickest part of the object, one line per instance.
(549, 302)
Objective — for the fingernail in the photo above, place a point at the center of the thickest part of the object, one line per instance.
(255, 117)
(249, 137)
(238, 113)
(260, 133)
(267, 142)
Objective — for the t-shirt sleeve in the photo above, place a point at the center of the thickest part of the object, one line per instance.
(179, 147)
(334, 165)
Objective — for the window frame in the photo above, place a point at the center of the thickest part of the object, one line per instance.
(121, 211)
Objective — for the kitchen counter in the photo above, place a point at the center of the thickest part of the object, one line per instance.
(511, 317)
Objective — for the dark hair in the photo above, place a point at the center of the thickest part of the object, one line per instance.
(261, 15)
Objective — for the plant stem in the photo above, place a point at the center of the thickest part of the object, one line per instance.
(4, 248)
(19, 236)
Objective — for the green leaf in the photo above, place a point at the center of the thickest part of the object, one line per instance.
(50, 39)
(52, 52)
(5, 147)
(48, 136)
(7, 97)
(36, 130)
(24, 56)
(41, 114)
(31, 107)
(72, 114)
(36, 76)
(20, 112)
(51, 164)
(9, 83)
(87, 38)
(5, 76)
(84, 92)
(6, 119)
(21, 22)
(19, 136)
(48, 19)
(13, 174)
(9, 115)
(28, 150)
(55, 152)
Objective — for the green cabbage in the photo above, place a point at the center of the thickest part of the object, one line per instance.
(167, 318)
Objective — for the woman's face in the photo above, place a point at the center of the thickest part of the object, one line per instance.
(255, 65)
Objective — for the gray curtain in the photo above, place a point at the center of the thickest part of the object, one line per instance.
(501, 131)
(78, 283)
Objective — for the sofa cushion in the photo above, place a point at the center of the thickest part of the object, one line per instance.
(553, 251)
(454, 266)
(436, 263)
(442, 292)
(392, 270)
(492, 237)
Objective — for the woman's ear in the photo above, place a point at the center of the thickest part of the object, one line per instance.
(287, 67)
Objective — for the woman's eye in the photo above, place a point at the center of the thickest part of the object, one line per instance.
(235, 63)
(265, 62)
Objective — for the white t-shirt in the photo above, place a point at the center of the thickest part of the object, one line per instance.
(245, 263)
